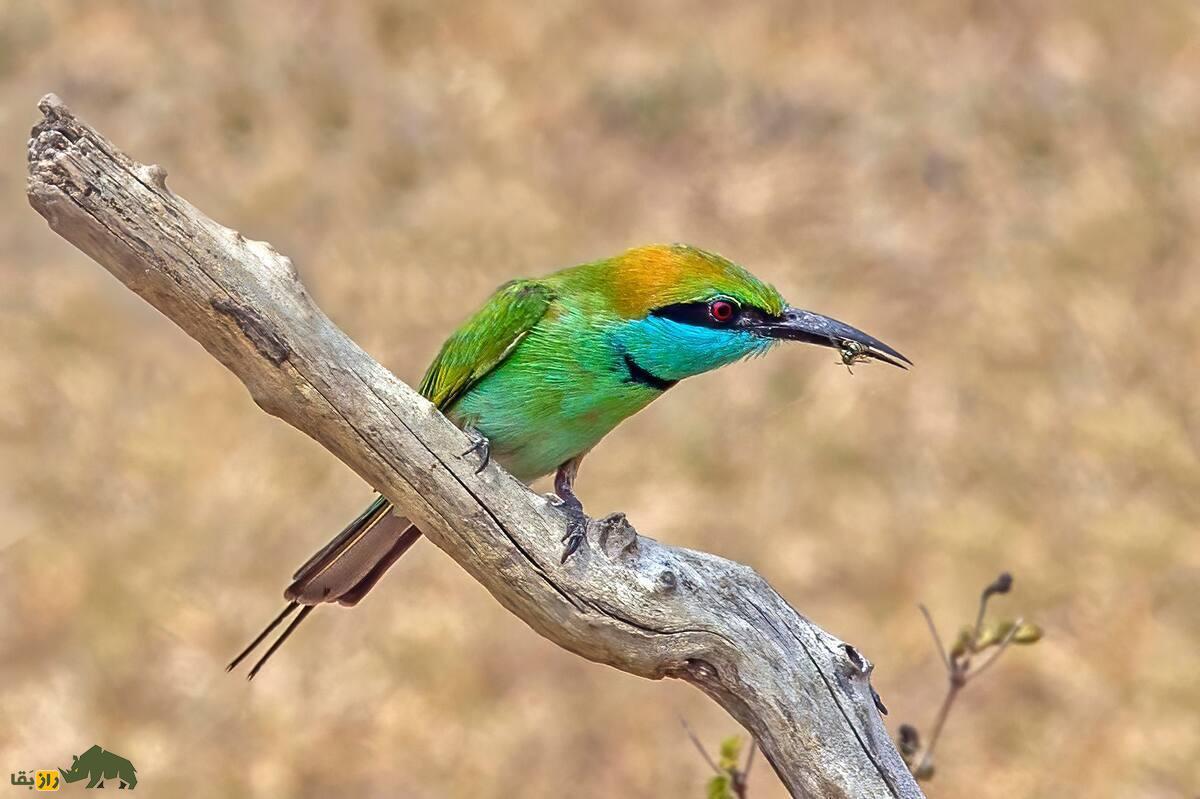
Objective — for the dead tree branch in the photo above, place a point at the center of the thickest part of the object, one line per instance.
(628, 601)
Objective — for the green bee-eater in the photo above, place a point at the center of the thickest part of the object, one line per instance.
(549, 366)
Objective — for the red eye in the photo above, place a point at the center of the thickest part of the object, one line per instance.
(721, 310)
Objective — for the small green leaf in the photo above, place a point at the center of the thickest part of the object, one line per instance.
(991, 634)
(720, 788)
(1027, 633)
(731, 751)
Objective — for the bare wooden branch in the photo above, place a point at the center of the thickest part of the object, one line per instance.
(625, 600)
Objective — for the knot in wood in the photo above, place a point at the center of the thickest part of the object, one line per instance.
(700, 670)
(616, 535)
(255, 328)
(859, 663)
(155, 175)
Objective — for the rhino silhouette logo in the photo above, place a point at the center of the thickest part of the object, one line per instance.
(98, 765)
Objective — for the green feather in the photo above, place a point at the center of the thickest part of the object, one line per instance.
(484, 341)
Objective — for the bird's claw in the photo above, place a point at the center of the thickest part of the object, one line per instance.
(480, 444)
(577, 525)
(573, 540)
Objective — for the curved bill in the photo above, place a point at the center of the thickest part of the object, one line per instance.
(795, 324)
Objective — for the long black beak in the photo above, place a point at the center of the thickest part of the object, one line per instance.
(797, 325)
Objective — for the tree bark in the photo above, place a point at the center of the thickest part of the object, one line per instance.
(625, 600)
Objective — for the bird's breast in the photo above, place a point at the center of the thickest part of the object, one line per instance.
(554, 398)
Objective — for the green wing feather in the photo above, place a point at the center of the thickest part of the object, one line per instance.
(484, 341)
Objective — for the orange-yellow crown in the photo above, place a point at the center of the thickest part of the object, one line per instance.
(658, 275)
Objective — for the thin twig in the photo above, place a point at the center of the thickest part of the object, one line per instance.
(740, 778)
(983, 603)
(700, 747)
(1001, 585)
(937, 639)
(938, 724)
(958, 667)
(955, 674)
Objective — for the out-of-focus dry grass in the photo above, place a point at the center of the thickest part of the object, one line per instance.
(1007, 192)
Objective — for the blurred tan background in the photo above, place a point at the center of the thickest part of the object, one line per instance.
(1006, 191)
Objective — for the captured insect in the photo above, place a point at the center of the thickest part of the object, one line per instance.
(852, 352)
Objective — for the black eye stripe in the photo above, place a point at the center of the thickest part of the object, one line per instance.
(689, 313)
(700, 314)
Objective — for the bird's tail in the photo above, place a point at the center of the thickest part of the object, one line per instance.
(342, 571)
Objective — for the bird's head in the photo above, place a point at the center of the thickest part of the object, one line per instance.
(685, 311)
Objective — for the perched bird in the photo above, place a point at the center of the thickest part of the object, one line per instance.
(549, 366)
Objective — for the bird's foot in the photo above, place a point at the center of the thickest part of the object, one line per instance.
(480, 444)
(565, 499)
(577, 525)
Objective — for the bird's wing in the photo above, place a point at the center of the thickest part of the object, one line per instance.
(485, 340)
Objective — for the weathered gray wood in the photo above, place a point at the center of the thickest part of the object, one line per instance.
(625, 600)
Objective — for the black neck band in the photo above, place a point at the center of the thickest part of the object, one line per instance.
(639, 375)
